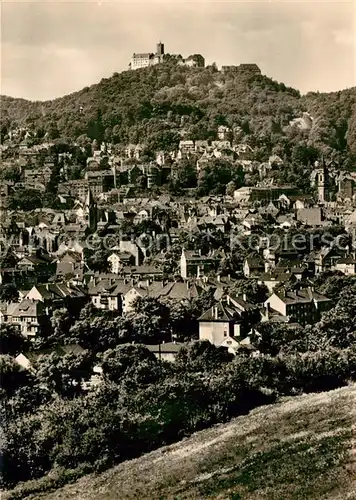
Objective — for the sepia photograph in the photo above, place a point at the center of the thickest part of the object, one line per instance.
(178, 249)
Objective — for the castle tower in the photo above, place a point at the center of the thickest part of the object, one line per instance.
(160, 49)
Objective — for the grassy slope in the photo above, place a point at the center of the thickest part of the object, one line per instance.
(300, 449)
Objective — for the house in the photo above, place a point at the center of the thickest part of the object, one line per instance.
(41, 264)
(141, 272)
(346, 265)
(37, 176)
(167, 351)
(108, 294)
(327, 257)
(31, 316)
(310, 216)
(186, 146)
(70, 266)
(57, 295)
(285, 221)
(303, 306)
(218, 324)
(195, 264)
(174, 290)
(119, 259)
(227, 321)
(258, 193)
(131, 296)
(253, 266)
(273, 279)
(146, 59)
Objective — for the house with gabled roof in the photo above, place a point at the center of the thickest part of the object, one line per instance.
(227, 322)
(303, 306)
(195, 264)
(131, 296)
(346, 265)
(57, 295)
(253, 266)
(29, 315)
(175, 291)
(108, 294)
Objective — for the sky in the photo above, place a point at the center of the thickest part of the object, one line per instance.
(52, 48)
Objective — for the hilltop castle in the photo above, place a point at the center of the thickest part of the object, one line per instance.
(146, 59)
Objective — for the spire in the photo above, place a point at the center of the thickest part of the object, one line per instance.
(89, 201)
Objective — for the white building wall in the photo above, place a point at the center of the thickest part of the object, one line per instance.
(215, 332)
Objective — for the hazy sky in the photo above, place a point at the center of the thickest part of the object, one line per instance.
(52, 48)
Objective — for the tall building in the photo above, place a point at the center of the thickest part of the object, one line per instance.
(319, 180)
(160, 49)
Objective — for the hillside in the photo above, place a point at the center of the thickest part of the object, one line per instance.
(300, 448)
(160, 105)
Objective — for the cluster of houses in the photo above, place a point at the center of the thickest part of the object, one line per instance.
(46, 252)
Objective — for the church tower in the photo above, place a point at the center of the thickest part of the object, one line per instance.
(320, 178)
(91, 211)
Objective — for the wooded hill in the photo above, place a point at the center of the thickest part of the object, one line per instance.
(160, 105)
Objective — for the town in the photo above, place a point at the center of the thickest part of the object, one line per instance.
(116, 239)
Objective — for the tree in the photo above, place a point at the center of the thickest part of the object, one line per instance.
(254, 292)
(99, 333)
(183, 321)
(202, 356)
(61, 322)
(25, 199)
(133, 362)
(11, 340)
(63, 374)
(12, 375)
(9, 293)
(272, 339)
(98, 260)
(150, 320)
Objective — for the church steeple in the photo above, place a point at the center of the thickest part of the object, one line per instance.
(320, 175)
(91, 211)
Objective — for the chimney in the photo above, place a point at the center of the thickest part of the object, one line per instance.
(218, 278)
(215, 312)
(244, 297)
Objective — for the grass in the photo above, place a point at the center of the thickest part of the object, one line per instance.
(301, 448)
